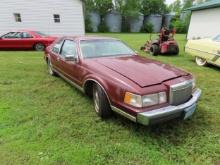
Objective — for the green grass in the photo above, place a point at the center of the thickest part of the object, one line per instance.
(43, 120)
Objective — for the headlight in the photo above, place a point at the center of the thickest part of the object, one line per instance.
(133, 99)
(145, 101)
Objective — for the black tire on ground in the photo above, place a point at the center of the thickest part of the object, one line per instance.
(101, 102)
(39, 47)
(177, 51)
(50, 68)
(154, 50)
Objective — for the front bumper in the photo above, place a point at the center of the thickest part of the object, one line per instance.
(185, 110)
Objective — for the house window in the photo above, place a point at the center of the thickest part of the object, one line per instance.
(56, 18)
(17, 17)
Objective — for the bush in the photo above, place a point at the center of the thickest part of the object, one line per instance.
(147, 27)
(125, 25)
(102, 27)
(180, 26)
(88, 25)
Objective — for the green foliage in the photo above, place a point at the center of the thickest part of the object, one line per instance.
(187, 4)
(147, 27)
(102, 27)
(88, 26)
(90, 5)
(153, 7)
(176, 6)
(128, 8)
(100, 6)
(125, 24)
(181, 26)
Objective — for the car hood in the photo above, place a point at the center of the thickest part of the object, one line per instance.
(142, 71)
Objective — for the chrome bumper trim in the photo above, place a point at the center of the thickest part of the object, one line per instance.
(119, 111)
(145, 117)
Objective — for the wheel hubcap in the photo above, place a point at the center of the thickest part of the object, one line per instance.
(50, 68)
(39, 47)
(200, 61)
(96, 101)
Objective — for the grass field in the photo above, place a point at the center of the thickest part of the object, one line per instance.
(43, 120)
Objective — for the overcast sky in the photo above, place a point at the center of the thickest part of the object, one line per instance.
(169, 1)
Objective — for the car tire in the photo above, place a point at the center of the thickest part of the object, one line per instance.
(201, 61)
(50, 68)
(177, 51)
(154, 50)
(39, 47)
(101, 102)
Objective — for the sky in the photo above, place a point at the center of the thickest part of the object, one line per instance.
(169, 1)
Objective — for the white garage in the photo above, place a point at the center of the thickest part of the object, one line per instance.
(56, 17)
(205, 20)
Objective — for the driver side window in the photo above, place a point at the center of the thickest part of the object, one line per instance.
(68, 48)
(9, 35)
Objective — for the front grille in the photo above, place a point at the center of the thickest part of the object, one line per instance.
(181, 93)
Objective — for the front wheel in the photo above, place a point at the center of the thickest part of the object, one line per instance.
(201, 61)
(154, 50)
(39, 47)
(50, 68)
(101, 102)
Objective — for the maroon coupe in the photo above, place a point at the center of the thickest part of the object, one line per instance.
(25, 40)
(143, 90)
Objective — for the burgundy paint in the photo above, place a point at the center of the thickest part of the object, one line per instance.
(118, 75)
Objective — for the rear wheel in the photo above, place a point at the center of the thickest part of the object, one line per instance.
(101, 102)
(154, 50)
(39, 47)
(201, 61)
(177, 51)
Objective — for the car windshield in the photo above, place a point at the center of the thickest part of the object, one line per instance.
(104, 48)
(217, 38)
(41, 34)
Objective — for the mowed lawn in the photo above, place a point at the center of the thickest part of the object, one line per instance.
(43, 120)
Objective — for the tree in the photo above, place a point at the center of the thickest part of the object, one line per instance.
(100, 6)
(176, 7)
(187, 4)
(153, 7)
(129, 8)
(89, 5)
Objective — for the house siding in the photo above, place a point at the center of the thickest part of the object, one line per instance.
(204, 23)
(38, 15)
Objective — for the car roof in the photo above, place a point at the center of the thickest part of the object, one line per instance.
(80, 38)
(16, 31)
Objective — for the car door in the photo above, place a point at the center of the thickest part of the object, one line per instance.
(27, 40)
(54, 55)
(7, 40)
(70, 69)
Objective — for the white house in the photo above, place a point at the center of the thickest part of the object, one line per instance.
(57, 17)
(205, 20)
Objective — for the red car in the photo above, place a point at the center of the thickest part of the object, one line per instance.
(106, 69)
(25, 40)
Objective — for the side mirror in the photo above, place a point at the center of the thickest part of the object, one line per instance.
(70, 58)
